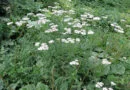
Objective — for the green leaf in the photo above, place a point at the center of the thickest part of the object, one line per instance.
(1, 84)
(2, 67)
(41, 86)
(117, 69)
(64, 86)
(29, 87)
(101, 70)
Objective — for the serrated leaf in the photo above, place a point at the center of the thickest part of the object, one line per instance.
(101, 70)
(64, 86)
(1, 84)
(41, 86)
(29, 87)
(117, 69)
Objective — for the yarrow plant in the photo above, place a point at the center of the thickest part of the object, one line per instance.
(101, 85)
(106, 62)
(42, 46)
(117, 28)
(53, 37)
(75, 62)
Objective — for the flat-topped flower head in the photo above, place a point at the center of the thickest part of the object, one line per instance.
(37, 43)
(90, 32)
(51, 41)
(43, 46)
(9, 23)
(112, 83)
(104, 88)
(106, 62)
(99, 84)
(75, 62)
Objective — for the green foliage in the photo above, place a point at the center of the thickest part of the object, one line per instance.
(39, 86)
(19, 7)
(24, 67)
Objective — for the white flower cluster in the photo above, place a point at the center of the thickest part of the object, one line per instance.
(51, 41)
(90, 17)
(68, 31)
(26, 20)
(38, 23)
(58, 12)
(128, 26)
(105, 62)
(96, 18)
(90, 32)
(43, 46)
(44, 10)
(9, 23)
(82, 32)
(105, 88)
(101, 84)
(117, 28)
(78, 25)
(20, 23)
(67, 19)
(86, 16)
(75, 62)
(70, 40)
(52, 29)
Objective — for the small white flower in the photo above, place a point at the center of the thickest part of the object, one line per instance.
(19, 23)
(124, 58)
(77, 39)
(78, 25)
(51, 41)
(25, 18)
(113, 24)
(70, 40)
(105, 17)
(52, 29)
(43, 46)
(128, 26)
(105, 61)
(83, 32)
(9, 23)
(118, 30)
(40, 15)
(68, 31)
(90, 32)
(104, 88)
(113, 84)
(30, 14)
(99, 84)
(37, 43)
(123, 20)
(77, 31)
(96, 18)
(110, 88)
(75, 62)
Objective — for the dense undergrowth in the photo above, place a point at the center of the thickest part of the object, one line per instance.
(66, 45)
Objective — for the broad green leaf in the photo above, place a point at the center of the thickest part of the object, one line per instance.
(29, 87)
(117, 69)
(101, 70)
(41, 86)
